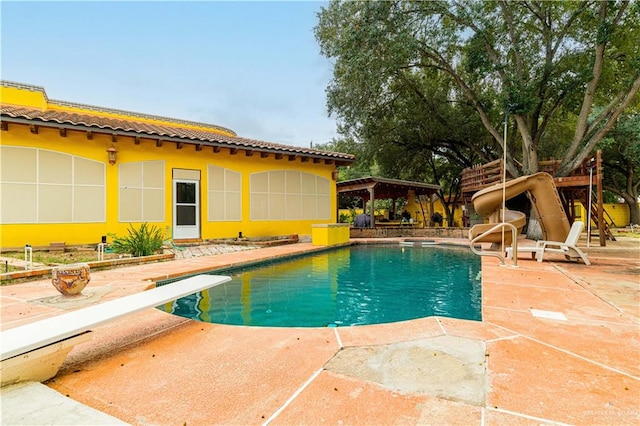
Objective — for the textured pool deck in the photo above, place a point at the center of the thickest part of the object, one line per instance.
(559, 344)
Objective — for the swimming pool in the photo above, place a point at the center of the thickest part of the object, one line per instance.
(357, 285)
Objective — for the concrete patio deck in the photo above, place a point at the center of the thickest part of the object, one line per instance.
(561, 344)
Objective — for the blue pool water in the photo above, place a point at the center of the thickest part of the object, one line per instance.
(348, 286)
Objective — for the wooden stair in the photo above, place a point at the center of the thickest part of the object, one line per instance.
(607, 220)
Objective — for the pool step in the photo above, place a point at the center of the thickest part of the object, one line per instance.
(417, 243)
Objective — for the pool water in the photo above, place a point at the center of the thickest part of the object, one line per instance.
(357, 285)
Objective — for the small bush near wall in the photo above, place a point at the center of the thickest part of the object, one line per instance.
(144, 241)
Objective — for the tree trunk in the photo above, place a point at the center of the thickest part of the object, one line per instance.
(634, 210)
(534, 230)
(450, 222)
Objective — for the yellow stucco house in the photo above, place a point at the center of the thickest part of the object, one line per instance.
(73, 173)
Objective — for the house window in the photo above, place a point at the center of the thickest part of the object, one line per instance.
(43, 186)
(141, 192)
(224, 194)
(289, 195)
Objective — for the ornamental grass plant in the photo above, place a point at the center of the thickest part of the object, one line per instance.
(142, 241)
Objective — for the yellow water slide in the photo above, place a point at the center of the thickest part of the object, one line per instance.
(544, 198)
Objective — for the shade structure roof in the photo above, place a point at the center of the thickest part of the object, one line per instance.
(384, 188)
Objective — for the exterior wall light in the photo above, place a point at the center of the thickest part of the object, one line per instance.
(112, 152)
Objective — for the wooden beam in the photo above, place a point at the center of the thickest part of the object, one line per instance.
(279, 156)
(4, 125)
(216, 149)
(63, 132)
(292, 157)
(159, 143)
(199, 147)
(137, 140)
(264, 154)
(372, 210)
(89, 135)
(34, 129)
(248, 153)
(328, 161)
(114, 138)
(356, 187)
(316, 160)
(304, 159)
(571, 181)
(179, 145)
(599, 196)
(233, 151)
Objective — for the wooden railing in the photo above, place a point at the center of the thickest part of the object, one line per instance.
(481, 176)
(552, 165)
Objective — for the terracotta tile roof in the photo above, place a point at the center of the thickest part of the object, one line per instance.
(159, 131)
(105, 110)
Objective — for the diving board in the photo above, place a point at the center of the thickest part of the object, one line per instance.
(51, 337)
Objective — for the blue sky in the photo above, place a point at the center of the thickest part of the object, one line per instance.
(253, 67)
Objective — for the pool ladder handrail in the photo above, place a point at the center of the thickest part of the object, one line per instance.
(514, 243)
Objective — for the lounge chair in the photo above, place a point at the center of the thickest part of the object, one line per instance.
(568, 247)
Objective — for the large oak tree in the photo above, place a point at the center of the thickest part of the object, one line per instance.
(545, 63)
(621, 153)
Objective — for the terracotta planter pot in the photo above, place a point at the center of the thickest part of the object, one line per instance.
(70, 280)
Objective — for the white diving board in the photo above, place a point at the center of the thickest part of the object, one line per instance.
(20, 345)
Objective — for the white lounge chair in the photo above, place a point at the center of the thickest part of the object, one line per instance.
(568, 247)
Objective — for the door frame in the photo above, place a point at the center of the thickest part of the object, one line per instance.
(184, 232)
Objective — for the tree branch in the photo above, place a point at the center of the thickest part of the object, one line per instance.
(567, 166)
(470, 94)
(589, 94)
(506, 12)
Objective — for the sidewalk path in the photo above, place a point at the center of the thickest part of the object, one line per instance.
(17, 263)
(207, 250)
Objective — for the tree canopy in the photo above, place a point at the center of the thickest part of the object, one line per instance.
(440, 76)
(621, 153)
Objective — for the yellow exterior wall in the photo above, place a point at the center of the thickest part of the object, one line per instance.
(416, 210)
(76, 143)
(330, 234)
(22, 97)
(619, 213)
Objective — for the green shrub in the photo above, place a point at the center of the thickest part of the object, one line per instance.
(344, 218)
(144, 241)
(349, 217)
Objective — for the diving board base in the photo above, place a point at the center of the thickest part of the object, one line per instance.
(41, 346)
(39, 364)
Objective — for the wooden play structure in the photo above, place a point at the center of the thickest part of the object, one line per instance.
(571, 189)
